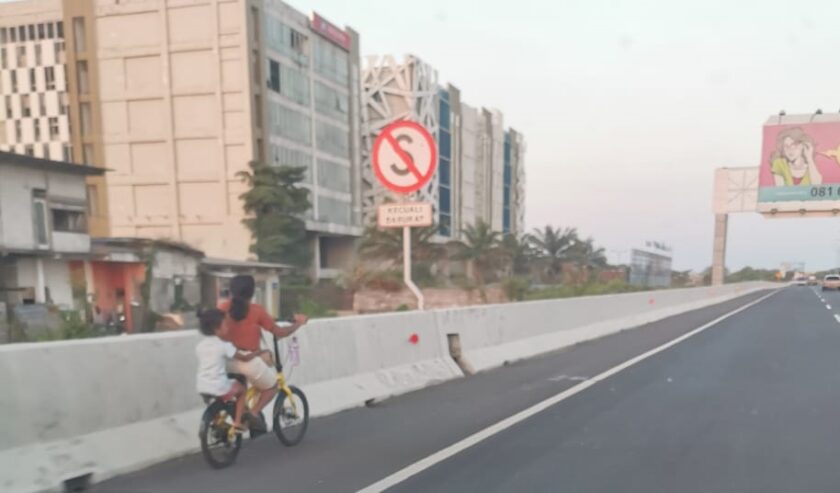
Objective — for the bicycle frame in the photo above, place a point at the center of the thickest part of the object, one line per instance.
(251, 393)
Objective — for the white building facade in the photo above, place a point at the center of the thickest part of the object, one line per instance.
(481, 165)
(33, 87)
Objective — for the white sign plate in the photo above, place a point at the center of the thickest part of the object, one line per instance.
(410, 214)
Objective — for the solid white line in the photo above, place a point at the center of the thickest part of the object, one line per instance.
(506, 423)
(828, 307)
(837, 317)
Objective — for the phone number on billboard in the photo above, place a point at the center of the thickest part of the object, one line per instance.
(825, 191)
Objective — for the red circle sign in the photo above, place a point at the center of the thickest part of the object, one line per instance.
(404, 157)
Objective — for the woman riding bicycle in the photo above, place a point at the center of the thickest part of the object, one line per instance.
(245, 320)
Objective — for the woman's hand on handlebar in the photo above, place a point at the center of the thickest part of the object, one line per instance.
(299, 319)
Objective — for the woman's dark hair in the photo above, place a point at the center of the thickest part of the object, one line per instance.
(209, 320)
(241, 290)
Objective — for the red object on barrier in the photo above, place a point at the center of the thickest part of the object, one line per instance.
(651, 301)
(414, 339)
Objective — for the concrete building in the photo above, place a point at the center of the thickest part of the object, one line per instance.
(481, 165)
(178, 97)
(43, 230)
(33, 88)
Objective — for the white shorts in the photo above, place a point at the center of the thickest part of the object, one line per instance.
(259, 374)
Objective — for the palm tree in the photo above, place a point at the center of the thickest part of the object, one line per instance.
(554, 245)
(387, 244)
(587, 256)
(480, 249)
(518, 252)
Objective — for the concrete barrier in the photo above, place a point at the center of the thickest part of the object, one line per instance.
(111, 405)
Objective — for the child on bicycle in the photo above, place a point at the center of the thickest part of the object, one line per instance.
(213, 354)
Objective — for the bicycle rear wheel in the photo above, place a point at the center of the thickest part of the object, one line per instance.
(291, 416)
(218, 448)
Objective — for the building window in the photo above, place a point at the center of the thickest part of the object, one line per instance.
(331, 61)
(92, 201)
(288, 123)
(40, 31)
(8, 101)
(444, 167)
(39, 218)
(258, 119)
(22, 33)
(36, 123)
(45, 151)
(333, 176)
(32, 36)
(291, 83)
(62, 103)
(58, 47)
(282, 38)
(332, 140)
(29, 150)
(50, 33)
(273, 75)
(87, 154)
(42, 105)
(85, 118)
(283, 156)
(18, 131)
(59, 26)
(2, 57)
(53, 124)
(21, 56)
(49, 77)
(79, 34)
(38, 55)
(66, 153)
(2, 35)
(69, 221)
(332, 210)
(33, 84)
(12, 35)
(82, 76)
(330, 102)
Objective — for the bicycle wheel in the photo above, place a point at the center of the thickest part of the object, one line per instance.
(216, 445)
(291, 417)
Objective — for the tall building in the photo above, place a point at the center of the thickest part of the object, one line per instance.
(175, 98)
(481, 165)
(33, 90)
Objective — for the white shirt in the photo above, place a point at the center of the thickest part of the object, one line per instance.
(213, 354)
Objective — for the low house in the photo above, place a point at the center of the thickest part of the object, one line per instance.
(43, 232)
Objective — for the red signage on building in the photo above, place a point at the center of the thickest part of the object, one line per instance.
(330, 31)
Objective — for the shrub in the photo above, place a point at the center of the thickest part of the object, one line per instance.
(389, 280)
(515, 288)
(313, 309)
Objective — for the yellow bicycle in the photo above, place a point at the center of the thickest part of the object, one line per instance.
(220, 441)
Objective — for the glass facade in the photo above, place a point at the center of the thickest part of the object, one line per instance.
(333, 176)
(330, 61)
(330, 102)
(333, 210)
(444, 167)
(288, 82)
(288, 123)
(286, 40)
(331, 139)
(508, 175)
(284, 156)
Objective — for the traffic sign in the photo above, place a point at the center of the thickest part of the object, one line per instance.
(410, 214)
(404, 157)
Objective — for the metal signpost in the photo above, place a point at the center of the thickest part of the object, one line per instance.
(404, 160)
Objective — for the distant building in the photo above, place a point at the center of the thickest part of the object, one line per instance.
(177, 97)
(481, 165)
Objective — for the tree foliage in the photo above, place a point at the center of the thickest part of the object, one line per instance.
(275, 205)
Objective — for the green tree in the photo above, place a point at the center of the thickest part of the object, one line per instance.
(554, 246)
(481, 249)
(588, 256)
(518, 252)
(274, 205)
(387, 244)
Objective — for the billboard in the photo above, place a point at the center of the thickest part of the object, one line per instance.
(330, 31)
(650, 266)
(800, 164)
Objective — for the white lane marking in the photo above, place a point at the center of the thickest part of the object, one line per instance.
(828, 307)
(837, 317)
(479, 436)
(560, 378)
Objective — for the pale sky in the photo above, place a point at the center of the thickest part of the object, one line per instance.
(628, 106)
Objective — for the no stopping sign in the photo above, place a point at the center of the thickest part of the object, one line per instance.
(404, 157)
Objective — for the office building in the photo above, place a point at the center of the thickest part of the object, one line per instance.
(481, 168)
(33, 90)
(176, 98)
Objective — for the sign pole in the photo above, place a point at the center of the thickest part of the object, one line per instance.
(407, 269)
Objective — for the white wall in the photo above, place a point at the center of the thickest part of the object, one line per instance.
(56, 278)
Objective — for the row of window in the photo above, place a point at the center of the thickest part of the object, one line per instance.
(29, 150)
(27, 105)
(62, 219)
(22, 58)
(331, 175)
(32, 32)
(52, 129)
(506, 182)
(444, 168)
(296, 126)
(329, 60)
(294, 85)
(30, 76)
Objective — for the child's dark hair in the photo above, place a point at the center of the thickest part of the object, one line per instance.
(209, 320)
(241, 290)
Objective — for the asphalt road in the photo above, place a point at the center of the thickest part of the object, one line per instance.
(750, 404)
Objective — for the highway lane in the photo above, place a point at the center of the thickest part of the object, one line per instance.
(751, 404)
(350, 450)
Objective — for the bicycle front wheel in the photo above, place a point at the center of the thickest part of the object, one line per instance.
(217, 446)
(291, 416)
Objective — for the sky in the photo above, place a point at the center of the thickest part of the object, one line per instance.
(628, 106)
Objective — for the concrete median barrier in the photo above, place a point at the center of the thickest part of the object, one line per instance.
(111, 405)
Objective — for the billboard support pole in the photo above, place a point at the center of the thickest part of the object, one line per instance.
(719, 249)
(407, 268)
